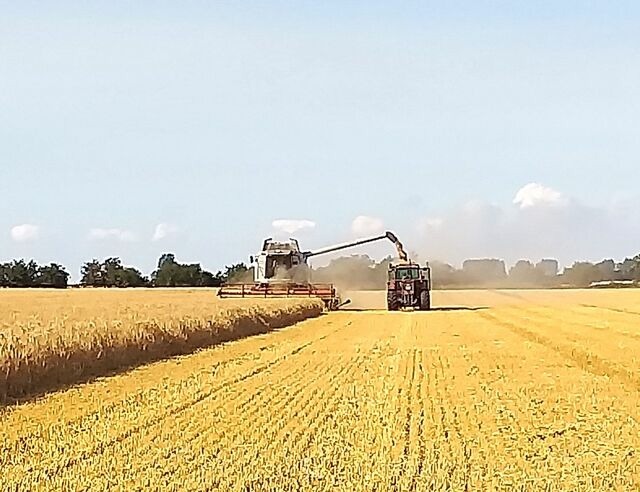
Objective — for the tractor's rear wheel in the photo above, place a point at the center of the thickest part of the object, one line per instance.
(392, 301)
(425, 301)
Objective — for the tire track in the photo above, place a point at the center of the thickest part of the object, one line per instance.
(582, 324)
(264, 414)
(614, 310)
(580, 335)
(312, 411)
(53, 469)
(255, 401)
(586, 361)
(81, 424)
(420, 421)
(403, 421)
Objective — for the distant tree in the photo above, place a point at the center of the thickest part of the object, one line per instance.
(627, 268)
(484, 271)
(189, 275)
(170, 273)
(167, 273)
(523, 273)
(32, 274)
(208, 279)
(635, 270)
(444, 275)
(4, 275)
(607, 270)
(22, 274)
(548, 268)
(354, 272)
(238, 272)
(112, 272)
(167, 259)
(581, 274)
(54, 276)
(92, 275)
(381, 273)
(130, 277)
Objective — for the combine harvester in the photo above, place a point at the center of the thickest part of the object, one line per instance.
(281, 270)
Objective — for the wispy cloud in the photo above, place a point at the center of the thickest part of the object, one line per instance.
(291, 226)
(25, 232)
(535, 194)
(122, 235)
(541, 222)
(163, 231)
(364, 225)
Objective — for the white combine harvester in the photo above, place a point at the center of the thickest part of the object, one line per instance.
(281, 270)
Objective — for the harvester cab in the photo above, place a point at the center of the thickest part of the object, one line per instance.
(277, 261)
(281, 270)
(409, 286)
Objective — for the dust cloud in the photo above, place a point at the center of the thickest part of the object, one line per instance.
(531, 228)
(353, 273)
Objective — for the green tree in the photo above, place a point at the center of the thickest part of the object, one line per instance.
(130, 277)
(19, 273)
(167, 273)
(208, 279)
(4, 274)
(170, 273)
(22, 274)
(92, 275)
(238, 272)
(112, 272)
(54, 276)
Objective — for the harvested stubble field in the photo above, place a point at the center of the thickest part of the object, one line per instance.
(502, 390)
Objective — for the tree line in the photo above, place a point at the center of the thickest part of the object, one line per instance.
(112, 273)
(361, 272)
(546, 273)
(350, 272)
(19, 273)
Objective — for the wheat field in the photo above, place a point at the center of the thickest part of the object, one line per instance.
(49, 338)
(501, 390)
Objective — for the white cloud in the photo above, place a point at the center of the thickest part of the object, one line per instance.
(163, 230)
(434, 222)
(25, 232)
(545, 223)
(292, 225)
(364, 225)
(114, 233)
(535, 194)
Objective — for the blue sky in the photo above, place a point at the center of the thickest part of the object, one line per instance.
(134, 129)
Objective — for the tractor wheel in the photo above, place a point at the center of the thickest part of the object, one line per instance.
(425, 301)
(392, 301)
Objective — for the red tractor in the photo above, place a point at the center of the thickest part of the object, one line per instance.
(409, 286)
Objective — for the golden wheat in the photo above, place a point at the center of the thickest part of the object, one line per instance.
(48, 338)
(535, 391)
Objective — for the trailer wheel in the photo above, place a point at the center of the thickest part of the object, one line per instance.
(425, 301)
